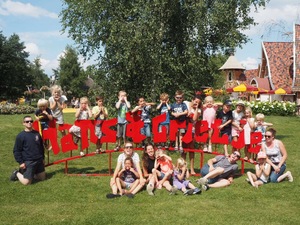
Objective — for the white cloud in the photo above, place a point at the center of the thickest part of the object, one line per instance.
(24, 9)
(32, 48)
(274, 18)
(250, 63)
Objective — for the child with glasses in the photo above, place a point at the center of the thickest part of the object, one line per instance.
(179, 111)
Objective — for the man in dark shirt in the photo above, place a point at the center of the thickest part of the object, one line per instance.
(29, 153)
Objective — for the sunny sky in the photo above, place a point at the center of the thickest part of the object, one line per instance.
(37, 23)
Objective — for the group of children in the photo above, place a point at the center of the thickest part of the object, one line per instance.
(233, 122)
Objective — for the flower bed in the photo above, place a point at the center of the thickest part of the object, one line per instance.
(275, 108)
(9, 108)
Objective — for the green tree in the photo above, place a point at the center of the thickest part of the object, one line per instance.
(70, 74)
(148, 47)
(40, 78)
(14, 68)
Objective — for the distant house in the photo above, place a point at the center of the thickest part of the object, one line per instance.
(279, 68)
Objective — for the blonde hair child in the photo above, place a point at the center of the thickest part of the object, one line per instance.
(82, 113)
(180, 178)
(209, 115)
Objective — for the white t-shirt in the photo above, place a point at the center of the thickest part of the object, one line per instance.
(135, 157)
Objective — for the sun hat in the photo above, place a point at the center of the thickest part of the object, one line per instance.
(241, 103)
(261, 155)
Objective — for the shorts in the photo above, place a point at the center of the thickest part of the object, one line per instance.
(121, 130)
(264, 182)
(235, 132)
(59, 119)
(229, 135)
(75, 130)
(98, 132)
(44, 125)
(146, 130)
(167, 126)
(162, 175)
(127, 185)
(205, 170)
(32, 168)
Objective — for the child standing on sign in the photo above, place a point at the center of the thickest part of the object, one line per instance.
(144, 108)
(248, 128)
(100, 114)
(128, 178)
(226, 116)
(164, 107)
(260, 125)
(179, 111)
(43, 115)
(209, 115)
(82, 113)
(181, 174)
(237, 115)
(262, 171)
(123, 106)
(57, 104)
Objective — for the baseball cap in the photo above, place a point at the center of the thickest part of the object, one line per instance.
(261, 155)
(227, 102)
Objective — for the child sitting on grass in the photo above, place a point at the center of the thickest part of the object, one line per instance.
(262, 171)
(128, 178)
(163, 176)
(181, 174)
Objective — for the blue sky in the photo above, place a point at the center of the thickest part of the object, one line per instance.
(37, 24)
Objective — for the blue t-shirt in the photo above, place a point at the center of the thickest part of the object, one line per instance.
(164, 109)
(179, 108)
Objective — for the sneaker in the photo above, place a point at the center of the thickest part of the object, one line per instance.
(289, 176)
(13, 176)
(188, 192)
(209, 148)
(102, 150)
(205, 187)
(180, 149)
(130, 195)
(112, 195)
(197, 191)
(205, 148)
(82, 154)
(173, 190)
(117, 148)
(97, 151)
(247, 179)
(202, 181)
(150, 189)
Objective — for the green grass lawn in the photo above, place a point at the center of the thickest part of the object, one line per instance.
(63, 199)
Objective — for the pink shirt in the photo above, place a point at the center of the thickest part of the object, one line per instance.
(209, 114)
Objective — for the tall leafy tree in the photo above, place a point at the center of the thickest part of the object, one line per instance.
(147, 47)
(14, 68)
(40, 78)
(70, 74)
